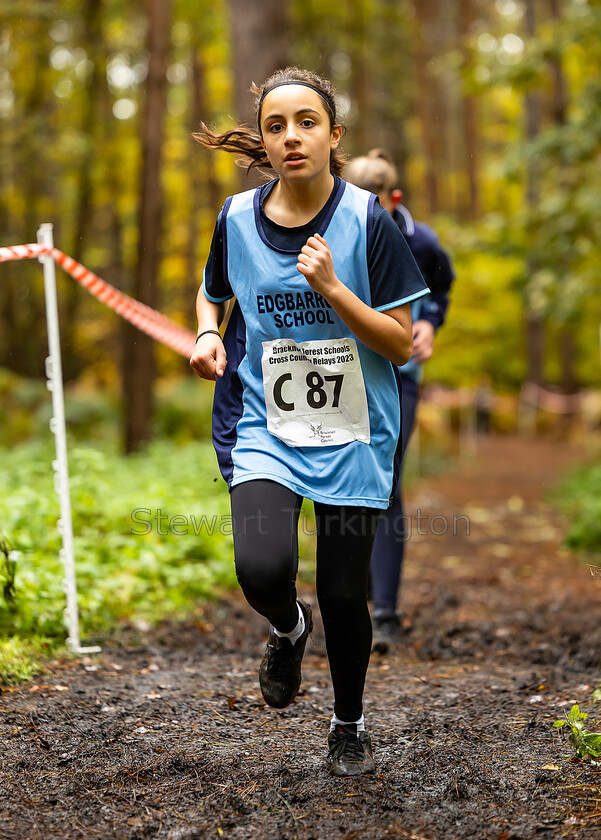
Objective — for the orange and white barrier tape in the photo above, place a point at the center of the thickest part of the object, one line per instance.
(531, 395)
(146, 319)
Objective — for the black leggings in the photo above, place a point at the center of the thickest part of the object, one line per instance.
(265, 523)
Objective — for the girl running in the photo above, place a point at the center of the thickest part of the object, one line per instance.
(306, 402)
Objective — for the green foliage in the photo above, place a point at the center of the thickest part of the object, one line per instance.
(579, 496)
(556, 232)
(475, 342)
(585, 744)
(20, 659)
(182, 409)
(9, 568)
(151, 533)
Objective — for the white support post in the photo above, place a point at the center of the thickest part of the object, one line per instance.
(54, 374)
(467, 424)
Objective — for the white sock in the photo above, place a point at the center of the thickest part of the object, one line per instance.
(360, 724)
(298, 631)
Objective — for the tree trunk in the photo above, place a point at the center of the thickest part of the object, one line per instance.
(260, 37)
(470, 116)
(535, 348)
(567, 343)
(92, 43)
(34, 183)
(568, 357)
(424, 103)
(535, 329)
(360, 77)
(445, 106)
(392, 33)
(559, 81)
(204, 188)
(138, 361)
(211, 197)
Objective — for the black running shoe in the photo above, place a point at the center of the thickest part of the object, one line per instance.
(280, 672)
(350, 755)
(387, 632)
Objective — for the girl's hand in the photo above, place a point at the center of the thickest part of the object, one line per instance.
(209, 357)
(387, 333)
(316, 264)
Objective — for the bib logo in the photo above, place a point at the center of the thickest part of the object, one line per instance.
(295, 309)
(317, 431)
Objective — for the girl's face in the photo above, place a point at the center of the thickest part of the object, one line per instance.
(297, 136)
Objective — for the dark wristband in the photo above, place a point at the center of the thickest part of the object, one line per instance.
(215, 332)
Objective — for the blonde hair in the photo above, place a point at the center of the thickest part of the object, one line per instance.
(374, 171)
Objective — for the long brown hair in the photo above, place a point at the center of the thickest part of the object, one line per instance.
(246, 141)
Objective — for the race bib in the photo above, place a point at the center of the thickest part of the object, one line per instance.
(315, 392)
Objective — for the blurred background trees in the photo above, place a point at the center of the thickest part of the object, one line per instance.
(491, 110)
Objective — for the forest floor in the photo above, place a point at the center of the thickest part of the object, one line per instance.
(165, 735)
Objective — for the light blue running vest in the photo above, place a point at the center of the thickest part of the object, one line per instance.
(276, 301)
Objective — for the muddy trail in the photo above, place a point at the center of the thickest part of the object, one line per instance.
(166, 735)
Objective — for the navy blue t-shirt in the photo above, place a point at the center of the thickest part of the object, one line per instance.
(390, 261)
(434, 264)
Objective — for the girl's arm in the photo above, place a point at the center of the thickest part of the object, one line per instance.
(209, 358)
(388, 333)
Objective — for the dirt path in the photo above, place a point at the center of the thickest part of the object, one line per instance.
(169, 738)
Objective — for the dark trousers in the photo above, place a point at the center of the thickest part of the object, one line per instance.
(389, 545)
(265, 523)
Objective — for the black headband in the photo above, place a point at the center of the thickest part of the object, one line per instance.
(326, 97)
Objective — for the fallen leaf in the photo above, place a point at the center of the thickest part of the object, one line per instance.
(35, 688)
(515, 504)
(142, 626)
